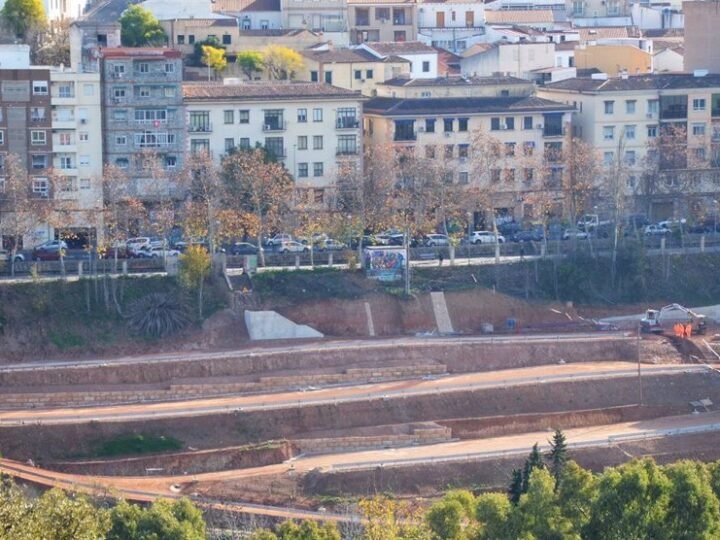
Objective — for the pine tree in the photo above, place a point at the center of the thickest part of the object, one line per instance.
(534, 461)
(558, 455)
(516, 484)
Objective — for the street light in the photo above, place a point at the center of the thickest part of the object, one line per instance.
(715, 207)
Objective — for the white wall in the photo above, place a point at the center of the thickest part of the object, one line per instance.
(651, 18)
(14, 56)
(668, 60)
(427, 14)
(256, 18)
(417, 60)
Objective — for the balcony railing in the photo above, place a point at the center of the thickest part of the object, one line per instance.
(153, 140)
(347, 123)
(200, 128)
(346, 152)
(715, 112)
(275, 126)
(553, 131)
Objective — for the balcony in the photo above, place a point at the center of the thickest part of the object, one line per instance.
(200, 128)
(715, 112)
(349, 151)
(154, 140)
(347, 123)
(278, 125)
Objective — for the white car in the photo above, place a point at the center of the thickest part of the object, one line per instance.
(330, 245)
(291, 246)
(486, 237)
(156, 253)
(136, 244)
(575, 233)
(432, 240)
(5, 255)
(656, 230)
(280, 239)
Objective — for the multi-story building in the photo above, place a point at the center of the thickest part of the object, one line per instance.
(701, 36)
(517, 59)
(599, 12)
(143, 116)
(453, 26)
(316, 15)
(352, 69)
(312, 128)
(423, 58)
(627, 119)
(384, 20)
(528, 132)
(455, 86)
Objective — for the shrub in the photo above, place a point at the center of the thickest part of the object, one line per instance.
(158, 315)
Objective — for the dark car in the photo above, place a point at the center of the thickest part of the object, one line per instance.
(244, 248)
(51, 251)
(531, 235)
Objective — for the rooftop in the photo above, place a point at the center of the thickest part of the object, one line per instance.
(456, 81)
(468, 105)
(275, 32)
(341, 56)
(238, 6)
(519, 16)
(140, 52)
(602, 32)
(655, 81)
(387, 48)
(270, 90)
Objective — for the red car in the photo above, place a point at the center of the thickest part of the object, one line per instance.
(50, 251)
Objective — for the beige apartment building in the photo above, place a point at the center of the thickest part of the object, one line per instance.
(388, 20)
(526, 131)
(623, 117)
(455, 86)
(313, 128)
(352, 69)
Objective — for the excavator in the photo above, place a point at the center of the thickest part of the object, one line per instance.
(658, 321)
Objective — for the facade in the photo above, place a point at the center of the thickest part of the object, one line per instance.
(423, 59)
(453, 26)
(529, 130)
(310, 127)
(388, 20)
(315, 15)
(623, 118)
(702, 39)
(583, 12)
(447, 87)
(668, 56)
(143, 117)
(514, 59)
(352, 69)
(614, 59)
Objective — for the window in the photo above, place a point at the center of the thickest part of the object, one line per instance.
(84, 183)
(68, 184)
(274, 119)
(528, 148)
(630, 157)
(169, 91)
(509, 149)
(448, 177)
(509, 175)
(698, 130)
(608, 133)
(328, 77)
(144, 92)
(529, 174)
(40, 88)
(37, 114)
(358, 74)
(463, 178)
(347, 118)
(66, 90)
(462, 124)
(244, 143)
(510, 122)
(302, 170)
(652, 131)
(119, 93)
(609, 107)
(698, 104)
(495, 175)
(243, 117)
(317, 142)
(630, 106)
(399, 35)
(38, 138)
(38, 161)
(66, 162)
(191, 39)
(120, 115)
(608, 158)
(426, 94)
(699, 154)
(143, 67)
(347, 145)
(170, 162)
(495, 124)
(630, 133)
(463, 150)
(199, 146)
(227, 39)
(318, 168)
(40, 187)
(229, 143)
(382, 14)
(121, 140)
(302, 115)
(119, 69)
(430, 125)
(317, 115)
(302, 143)
(122, 163)
(314, 76)
(2, 137)
(84, 136)
(430, 151)
(449, 148)
(229, 117)
(527, 122)
(181, 39)
(448, 124)
(65, 139)
(653, 106)
(276, 146)
(199, 121)
(426, 67)
(369, 74)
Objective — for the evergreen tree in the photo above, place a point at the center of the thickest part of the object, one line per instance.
(558, 455)
(534, 461)
(516, 486)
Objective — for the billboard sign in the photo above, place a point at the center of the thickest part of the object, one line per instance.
(384, 263)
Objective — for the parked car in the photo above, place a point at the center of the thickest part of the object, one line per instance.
(244, 248)
(182, 245)
(575, 233)
(158, 253)
(656, 230)
(486, 237)
(157, 242)
(436, 240)
(279, 239)
(530, 235)
(5, 255)
(367, 240)
(50, 251)
(291, 246)
(135, 244)
(331, 245)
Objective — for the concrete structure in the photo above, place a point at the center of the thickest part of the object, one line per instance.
(614, 59)
(382, 20)
(253, 14)
(539, 19)
(87, 38)
(668, 56)
(352, 69)
(311, 127)
(14, 56)
(627, 119)
(316, 15)
(702, 39)
(144, 120)
(455, 87)
(453, 26)
(423, 59)
(515, 59)
(263, 325)
(526, 131)
(649, 17)
(442, 315)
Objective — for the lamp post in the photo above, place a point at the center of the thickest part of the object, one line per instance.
(715, 213)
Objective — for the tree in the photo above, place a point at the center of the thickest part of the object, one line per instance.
(445, 519)
(250, 62)
(534, 461)
(140, 28)
(538, 514)
(693, 510)
(558, 455)
(576, 493)
(580, 178)
(24, 16)
(516, 486)
(194, 269)
(206, 191)
(214, 58)
(54, 47)
(281, 63)
(57, 516)
(493, 512)
(163, 520)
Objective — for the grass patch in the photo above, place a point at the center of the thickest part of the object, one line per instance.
(66, 340)
(137, 443)
(318, 284)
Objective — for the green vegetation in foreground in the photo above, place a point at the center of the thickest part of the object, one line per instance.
(137, 443)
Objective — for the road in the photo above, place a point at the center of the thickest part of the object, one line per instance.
(340, 394)
(146, 488)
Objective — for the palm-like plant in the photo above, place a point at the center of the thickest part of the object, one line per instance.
(158, 315)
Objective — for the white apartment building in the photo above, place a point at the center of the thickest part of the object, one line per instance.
(311, 127)
(423, 58)
(453, 26)
(623, 117)
(77, 157)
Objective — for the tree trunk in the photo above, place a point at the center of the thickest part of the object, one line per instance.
(200, 298)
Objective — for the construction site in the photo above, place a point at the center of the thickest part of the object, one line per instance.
(325, 402)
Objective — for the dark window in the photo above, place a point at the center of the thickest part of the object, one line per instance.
(302, 170)
(191, 39)
(369, 74)
(430, 125)
(462, 124)
(275, 146)
(328, 77)
(358, 74)
(552, 124)
(463, 150)
(510, 149)
(404, 130)
(180, 39)
(227, 39)
(673, 107)
(314, 76)
(527, 122)
(495, 124)
(449, 151)
(448, 124)
(426, 67)
(509, 122)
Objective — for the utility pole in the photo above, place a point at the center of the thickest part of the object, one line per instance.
(640, 388)
(407, 262)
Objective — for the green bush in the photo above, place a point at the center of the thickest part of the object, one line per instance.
(137, 443)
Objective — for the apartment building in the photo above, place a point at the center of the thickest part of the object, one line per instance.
(599, 12)
(528, 131)
(701, 36)
(517, 59)
(455, 86)
(312, 128)
(143, 117)
(423, 59)
(316, 15)
(352, 69)
(384, 20)
(453, 26)
(623, 117)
